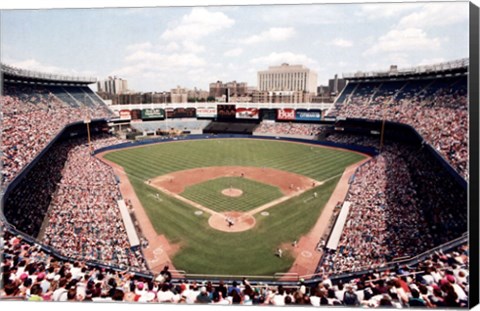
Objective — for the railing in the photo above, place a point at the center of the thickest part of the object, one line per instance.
(455, 64)
(320, 106)
(47, 76)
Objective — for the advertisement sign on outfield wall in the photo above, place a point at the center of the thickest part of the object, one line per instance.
(184, 113)
(247, 113)
(136, 114)
(286, 114)
(153, 114)
(226, 112)
(124, 115)
(169, 112)
(308, 115)
(206, 112)
(268, 114)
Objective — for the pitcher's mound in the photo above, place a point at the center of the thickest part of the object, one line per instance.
(231, 221)
(232, 192)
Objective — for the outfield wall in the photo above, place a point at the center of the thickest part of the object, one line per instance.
(366, 150)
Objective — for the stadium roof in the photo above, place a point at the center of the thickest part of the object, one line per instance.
(460, 65)
(13, 72)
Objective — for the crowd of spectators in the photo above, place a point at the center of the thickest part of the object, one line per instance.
(28, 273)
(287, 128)
(361, 140)
(403, 203)
(73, 206)
(83, 219)
(31, 117)
(26, 205)
(436, 108)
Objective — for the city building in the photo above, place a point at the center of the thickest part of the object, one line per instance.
(179, 95)
(281, 97)
(336, 85)
(113, 85)
(287, 78)
(197, 95)
(218, 90)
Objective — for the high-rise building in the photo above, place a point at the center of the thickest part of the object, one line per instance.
(282, 97)
(179, 95)
(287, 78)
(197, 95)
(219, 89)
(336, 85)
(113, 85)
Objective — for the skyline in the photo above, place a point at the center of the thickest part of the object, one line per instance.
(156, 49)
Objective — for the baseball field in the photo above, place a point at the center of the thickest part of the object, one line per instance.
(275, 189)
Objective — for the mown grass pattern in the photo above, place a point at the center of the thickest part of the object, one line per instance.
(208, 251)
(209, 194)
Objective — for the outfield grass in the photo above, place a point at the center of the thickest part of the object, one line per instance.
(206, 250)
(209, 194)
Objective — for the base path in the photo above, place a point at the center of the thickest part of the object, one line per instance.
(289, 183)
(159, 250)
(305, 252)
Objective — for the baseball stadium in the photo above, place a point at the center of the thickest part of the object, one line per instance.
(358, 202)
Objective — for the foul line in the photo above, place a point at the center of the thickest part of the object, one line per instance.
(248, 213)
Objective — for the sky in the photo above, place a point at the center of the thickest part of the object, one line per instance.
(159, 48)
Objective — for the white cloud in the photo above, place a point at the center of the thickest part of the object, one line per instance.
(193, 47)
(172, 46)
(233, 52)
(139, 46)
(198, 24)
(342, 43)
(272, 34)
(284, 57)
(410, 39)
(435, 14)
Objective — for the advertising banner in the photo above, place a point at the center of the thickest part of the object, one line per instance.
(206, 112)
(184, 113)
(125, 114)
(136, 114)
(247, 113)
(169, 112)
(308, 115)
(153, 114)
(286, 114)
(226, 112)
(268, 114)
